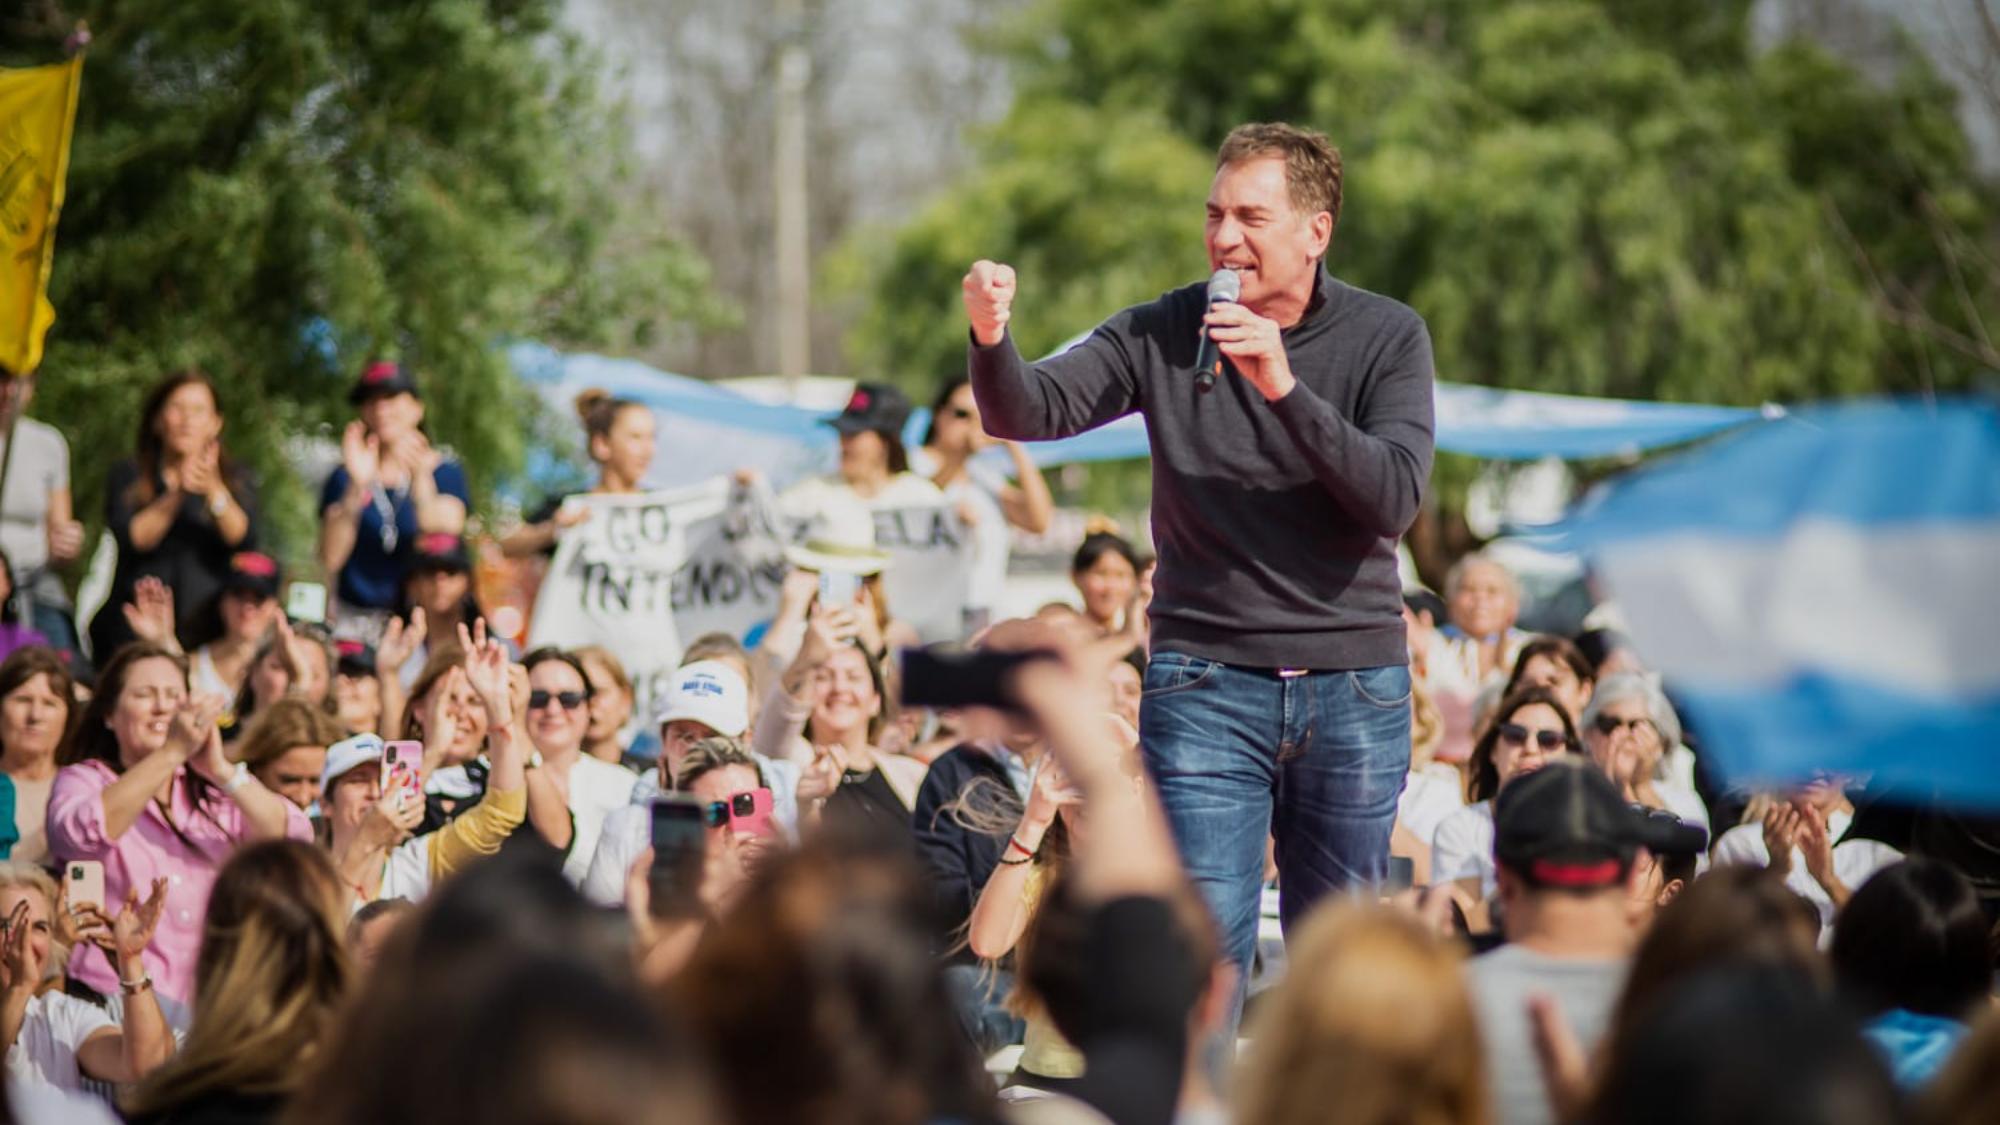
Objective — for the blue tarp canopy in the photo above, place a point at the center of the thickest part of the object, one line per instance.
(705, 429)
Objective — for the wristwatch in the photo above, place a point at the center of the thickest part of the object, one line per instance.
(238, 779)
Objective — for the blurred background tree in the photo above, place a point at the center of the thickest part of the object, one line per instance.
(275, 192)
(1607, 197)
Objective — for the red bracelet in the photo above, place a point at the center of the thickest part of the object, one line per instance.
(1013, 843)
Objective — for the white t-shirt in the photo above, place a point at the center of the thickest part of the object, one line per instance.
(205, 680)
(44, 1054)
(39, 467)
(407, 874)
(1463, 847)
(980, 489)
(1429, 796)
(807, 499)
(596, 790)
(1853, 862)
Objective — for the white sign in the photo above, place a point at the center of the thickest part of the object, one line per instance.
(645, 574)
(929, 578)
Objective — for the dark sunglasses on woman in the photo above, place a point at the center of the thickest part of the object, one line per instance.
(1517, 735)
(570, 700)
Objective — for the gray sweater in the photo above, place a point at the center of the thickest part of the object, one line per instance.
(1276, 522)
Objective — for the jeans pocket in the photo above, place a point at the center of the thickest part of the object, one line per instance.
(1386, 687)
(1171, 673)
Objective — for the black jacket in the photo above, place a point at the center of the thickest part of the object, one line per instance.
(959, 860)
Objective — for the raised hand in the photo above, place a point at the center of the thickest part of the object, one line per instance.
(827, 628)
(18, 962)
(399, 642)
(1816, 848)
(131, 932)
(193, 727)
(150, 613)
(486, 670)
(989, 289)
(361, 455)
(1781, 832)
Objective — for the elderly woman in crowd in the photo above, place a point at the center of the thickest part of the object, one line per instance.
(148, 792)
(1475, 651)
(391, 486)
(37, 710)
(1634, 736)
(179, 510)
(51, 1039)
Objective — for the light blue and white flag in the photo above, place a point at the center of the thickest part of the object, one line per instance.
(1823, 593)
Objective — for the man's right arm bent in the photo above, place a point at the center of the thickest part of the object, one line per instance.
(1081, 389)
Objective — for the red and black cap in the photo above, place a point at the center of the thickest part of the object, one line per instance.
(1567, 825)
(873, 406)
(380, 378)
(441, 550)
(254, 572)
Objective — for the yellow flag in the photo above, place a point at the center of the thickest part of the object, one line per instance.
(37, 110)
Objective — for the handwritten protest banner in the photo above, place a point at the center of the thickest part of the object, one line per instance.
(645, 574)
(930, 571)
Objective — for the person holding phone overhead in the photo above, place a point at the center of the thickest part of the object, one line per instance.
(178, 511)
(148, 792)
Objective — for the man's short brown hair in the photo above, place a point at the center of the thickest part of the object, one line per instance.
(1312, 164)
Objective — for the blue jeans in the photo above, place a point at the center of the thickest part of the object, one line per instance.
(1314, 760)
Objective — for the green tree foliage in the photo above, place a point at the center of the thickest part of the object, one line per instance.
(1606, 197)
(275, 191)
(1616, 197)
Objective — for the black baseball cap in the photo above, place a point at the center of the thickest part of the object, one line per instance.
(1567, 825)
(873, 406)
(253, 572)
(441, 550)
(355, 658)
(381, 377)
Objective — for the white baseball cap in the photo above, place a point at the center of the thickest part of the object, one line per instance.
(708, 692)
(345, 755)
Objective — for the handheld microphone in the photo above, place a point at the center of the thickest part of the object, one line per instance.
(1225, 285)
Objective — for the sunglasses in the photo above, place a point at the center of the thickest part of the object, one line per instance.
(1610, 724)
(718, 813)
(570, 700)
(1517, 735)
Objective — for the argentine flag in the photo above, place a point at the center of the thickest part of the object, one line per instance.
(1823, 593)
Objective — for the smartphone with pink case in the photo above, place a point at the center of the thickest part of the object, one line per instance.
(750, 813)
(402, 767)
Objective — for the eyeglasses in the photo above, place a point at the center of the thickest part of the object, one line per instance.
(1608, 725)
(1517, 735)
(570, 700)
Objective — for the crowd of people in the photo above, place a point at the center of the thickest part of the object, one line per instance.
(384, 867)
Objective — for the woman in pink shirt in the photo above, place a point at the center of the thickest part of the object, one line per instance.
(148, 792)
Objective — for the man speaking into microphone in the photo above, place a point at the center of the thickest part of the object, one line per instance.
(1278, 695)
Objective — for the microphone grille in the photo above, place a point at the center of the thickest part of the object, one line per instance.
(1224, 285)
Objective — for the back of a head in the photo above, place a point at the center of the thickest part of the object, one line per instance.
(1731, 915)
(1053, 958)
(825, 966)
(1745, 1044)
(1372, 1026)
(507, 998)
(1913, 937)
(269, 979)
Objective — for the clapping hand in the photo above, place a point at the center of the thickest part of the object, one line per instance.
(18, 959)
(150, 613)
(127, 936)
(1781, 833)
(399, 642)
(361, 455)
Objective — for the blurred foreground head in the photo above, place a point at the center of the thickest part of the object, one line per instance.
(506, 999)
(825, 967)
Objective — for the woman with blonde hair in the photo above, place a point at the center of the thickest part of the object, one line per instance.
(1373, 1026)
(267, 987)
